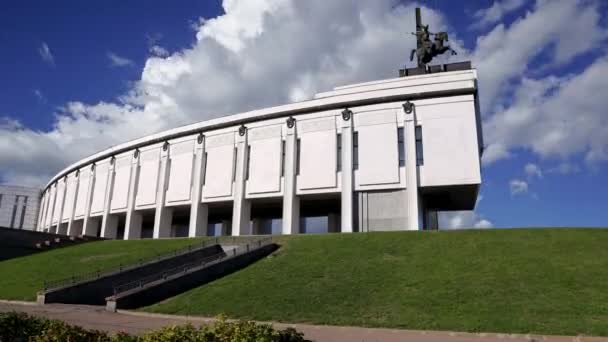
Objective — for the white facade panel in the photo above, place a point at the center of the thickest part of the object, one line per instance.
(84, 180)
(70, 196)
(122, 178)
(219, 171)
(149, 167)
(377, 148)
(318, 153)
(99, 189)
(264, 160)
(181, 169)
(450, 147)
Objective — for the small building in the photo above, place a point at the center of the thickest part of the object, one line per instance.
(381, 155)
(19, 207)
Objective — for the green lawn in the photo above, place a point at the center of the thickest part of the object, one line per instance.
(552, 281)
(21, 278)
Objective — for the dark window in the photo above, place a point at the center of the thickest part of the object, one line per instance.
(401, 145)
(419, 151)
(298, 157)
(14, 212)
(355, 150)
(248, 159)
(23, 212)
(339, 151)
(282, 158)
(0, 200)
(205, 169)
(235, 160)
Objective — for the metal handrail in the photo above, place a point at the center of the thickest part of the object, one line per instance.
(143, 282)
(74, 279)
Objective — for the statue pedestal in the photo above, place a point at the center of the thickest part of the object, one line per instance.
(433, 69)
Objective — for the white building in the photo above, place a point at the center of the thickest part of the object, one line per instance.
(383, 155)
(19, 207)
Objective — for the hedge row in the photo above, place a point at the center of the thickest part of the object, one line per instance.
(17, 327)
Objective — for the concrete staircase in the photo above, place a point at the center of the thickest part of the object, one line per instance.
(172, 281)
(16, 243)
(92, 288)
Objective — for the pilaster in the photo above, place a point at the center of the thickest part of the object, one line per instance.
(199, 212)
(133, 220)
(346, 225)
(241, 214)
(291, 202)
(163, 215)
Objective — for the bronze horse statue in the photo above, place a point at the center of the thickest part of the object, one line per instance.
(427, 50)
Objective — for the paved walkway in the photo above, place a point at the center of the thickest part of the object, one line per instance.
(95, 317)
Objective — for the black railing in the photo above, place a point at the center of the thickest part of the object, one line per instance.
(84, 277)
(182, 269)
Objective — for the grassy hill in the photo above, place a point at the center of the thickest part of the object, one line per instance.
(21, 278)
(552, 281)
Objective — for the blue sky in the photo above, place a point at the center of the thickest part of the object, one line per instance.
(80, 76)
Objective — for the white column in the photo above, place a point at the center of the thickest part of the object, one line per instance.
(109, 222)
(49, 213)
(241, 214)
(411, 171)
(61, 205)
(163, 215)
(199, 212)
(134, 219)
(71, 228)
(347, 176)
(39, 225)
(291, 202)
(89, 224)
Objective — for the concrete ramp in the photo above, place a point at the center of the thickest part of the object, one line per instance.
(168, 283)
(93, 288)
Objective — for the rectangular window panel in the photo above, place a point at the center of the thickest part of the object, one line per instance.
(355, 150)
(401, 145)
(298, 157)
(419, 151)
(0, 200)
(339, 156)
(282, 158)
(14, 212)
(23, 212)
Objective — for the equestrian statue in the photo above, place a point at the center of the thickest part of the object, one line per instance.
(426, 49)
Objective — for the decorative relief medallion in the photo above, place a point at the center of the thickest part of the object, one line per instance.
(408, 107)
(242, 130)
(166, 146)
(291, 121)
(199, 139)
(136, 153)
(347, 114)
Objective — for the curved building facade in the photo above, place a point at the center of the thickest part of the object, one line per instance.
(383, 155)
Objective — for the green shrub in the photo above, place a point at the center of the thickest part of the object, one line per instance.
(22, 327)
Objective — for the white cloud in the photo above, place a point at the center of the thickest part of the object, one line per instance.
(493, 152)
(262, 53)
(504, 54)
(119, 61)
(518, 186)
(38, 93)
(259, 53)
(462, 220)
(158, 51)
(496, 12)
(532, 170)
(46, 55)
